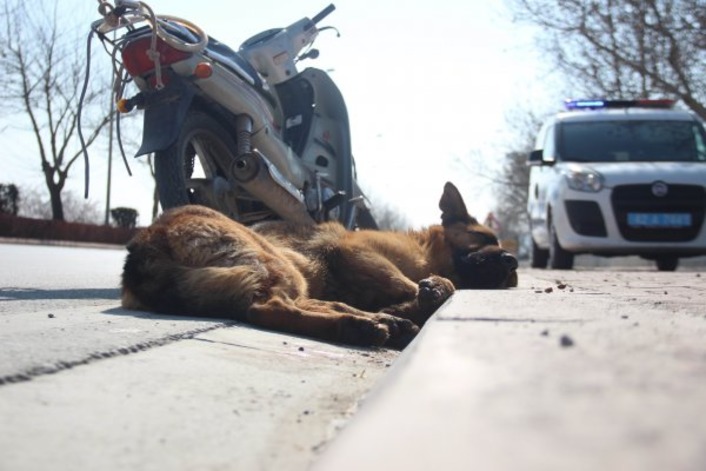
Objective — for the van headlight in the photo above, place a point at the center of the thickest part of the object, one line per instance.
(584, 180)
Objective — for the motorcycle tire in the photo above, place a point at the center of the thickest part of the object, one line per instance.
(190, 170)
(193, 171)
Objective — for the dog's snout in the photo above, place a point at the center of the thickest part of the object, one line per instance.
(509, 261)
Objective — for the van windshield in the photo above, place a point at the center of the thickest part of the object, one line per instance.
(632, 141)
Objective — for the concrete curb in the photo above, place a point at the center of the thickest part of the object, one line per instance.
(549, 376)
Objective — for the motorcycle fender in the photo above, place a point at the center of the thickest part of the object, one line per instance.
(165, 111)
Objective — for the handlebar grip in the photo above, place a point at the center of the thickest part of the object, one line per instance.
(323, 13)
(132, 4)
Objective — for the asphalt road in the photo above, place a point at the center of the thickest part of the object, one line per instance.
(589, 369)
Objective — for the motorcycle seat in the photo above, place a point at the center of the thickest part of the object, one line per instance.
(231, 59)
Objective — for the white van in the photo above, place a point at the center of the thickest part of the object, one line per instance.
(618, 178)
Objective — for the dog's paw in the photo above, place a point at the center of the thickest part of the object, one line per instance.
(433, 291)
(362, 331)
(402, 331)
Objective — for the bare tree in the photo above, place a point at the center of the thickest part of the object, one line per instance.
(510, 192)
(625, 48)
(511, 183)
(34, 204)
(42, 60)
(387, 216)
(390, 218)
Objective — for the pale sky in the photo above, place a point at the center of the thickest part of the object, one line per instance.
(428, 86)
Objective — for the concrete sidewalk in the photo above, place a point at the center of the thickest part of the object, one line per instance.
(86, 385)
(597, 371)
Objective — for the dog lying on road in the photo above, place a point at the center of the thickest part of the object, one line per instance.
(369, 288)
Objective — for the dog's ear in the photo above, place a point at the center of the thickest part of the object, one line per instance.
(453, 209)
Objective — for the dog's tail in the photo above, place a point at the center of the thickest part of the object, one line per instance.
(152, 281)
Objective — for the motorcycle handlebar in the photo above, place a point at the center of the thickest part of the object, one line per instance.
(323, 13)
(132, 4)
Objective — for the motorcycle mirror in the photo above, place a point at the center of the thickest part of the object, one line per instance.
(312, 54)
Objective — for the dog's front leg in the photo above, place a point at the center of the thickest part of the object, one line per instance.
(431, 294)
(361, 277)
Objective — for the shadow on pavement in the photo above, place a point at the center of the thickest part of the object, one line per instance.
(29, 294)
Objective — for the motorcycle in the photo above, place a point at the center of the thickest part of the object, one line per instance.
(244, 132)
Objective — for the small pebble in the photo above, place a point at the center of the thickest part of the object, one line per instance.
(566, 341)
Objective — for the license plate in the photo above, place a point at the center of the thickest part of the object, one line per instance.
(661, 220)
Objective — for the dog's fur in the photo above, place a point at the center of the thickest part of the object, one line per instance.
(357, 287)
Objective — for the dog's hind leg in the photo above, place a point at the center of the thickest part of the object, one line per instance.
(320, 320)
(206, 292)
(401, 331)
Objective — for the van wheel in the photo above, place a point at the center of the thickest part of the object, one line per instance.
(559, 258)
(667, 263)
(539, 256)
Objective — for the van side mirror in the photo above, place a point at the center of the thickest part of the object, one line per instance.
(536, 157)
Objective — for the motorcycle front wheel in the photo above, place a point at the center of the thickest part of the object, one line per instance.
(193, 171)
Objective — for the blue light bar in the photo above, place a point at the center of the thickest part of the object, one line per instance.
(584, 104)
(592, 104)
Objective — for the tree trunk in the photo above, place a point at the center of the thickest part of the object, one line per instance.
(57, 207)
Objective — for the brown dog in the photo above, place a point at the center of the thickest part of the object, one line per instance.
(356, 287)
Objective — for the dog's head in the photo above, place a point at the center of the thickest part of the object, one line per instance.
(478, 260)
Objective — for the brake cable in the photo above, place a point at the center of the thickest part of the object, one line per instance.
(79, 115)
(108, 11)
